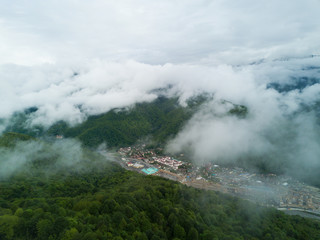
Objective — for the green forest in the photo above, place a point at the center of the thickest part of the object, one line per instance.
(159, 121)
(156, 121)
(100, 200)
(94, 198)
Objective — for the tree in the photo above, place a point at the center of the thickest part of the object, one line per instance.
(70, 234)
(45, 229)
(140, 236)
(208, 235)
(179, 232)
(193, 234)
(7, 224)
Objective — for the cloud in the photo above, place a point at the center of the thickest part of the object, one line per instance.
(157, 32)
(62, 154)
(71, 93)
(281, 129)
(71, 59)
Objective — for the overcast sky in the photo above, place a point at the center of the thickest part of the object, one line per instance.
(122, 50)
(217, 31)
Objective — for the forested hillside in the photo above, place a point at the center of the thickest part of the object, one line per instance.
(9, 139)
(158, 120)
(103, 201)
(146, 120)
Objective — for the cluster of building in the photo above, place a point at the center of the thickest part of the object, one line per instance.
(168, 161)
(266, 189)
(135, 165)
(150, 156)
(137, 152)
(296, 199)
(124, 151)
(301, 196)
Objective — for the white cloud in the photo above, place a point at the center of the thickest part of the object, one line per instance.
(222, 31)
(61, 154)
(122, 50)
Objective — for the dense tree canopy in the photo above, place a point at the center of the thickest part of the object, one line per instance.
(100, 200)
(107, 202)
(158, 120)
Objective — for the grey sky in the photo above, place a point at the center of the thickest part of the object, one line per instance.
(215, 32)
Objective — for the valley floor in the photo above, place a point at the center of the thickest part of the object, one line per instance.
(281, 192)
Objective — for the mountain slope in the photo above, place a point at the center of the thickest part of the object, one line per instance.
(108, 202)
(160, 119)
(9, 139)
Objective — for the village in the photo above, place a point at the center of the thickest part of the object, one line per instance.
(281, 192)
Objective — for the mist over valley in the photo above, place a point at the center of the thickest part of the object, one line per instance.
(159, 120)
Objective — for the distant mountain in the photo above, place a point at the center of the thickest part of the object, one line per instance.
(20, 123)
(9, 139)
(158, 121)
(296, 83)
(153, 122)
